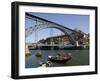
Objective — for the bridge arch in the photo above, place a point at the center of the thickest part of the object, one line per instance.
(43, 23)
(67, 33)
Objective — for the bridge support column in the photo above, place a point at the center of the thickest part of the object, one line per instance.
(77, 43)
(27, 52)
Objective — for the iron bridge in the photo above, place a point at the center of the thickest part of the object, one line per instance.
(42, 23)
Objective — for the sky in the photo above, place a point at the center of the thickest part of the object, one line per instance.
(71, 21)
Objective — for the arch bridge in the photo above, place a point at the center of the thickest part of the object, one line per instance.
(42, 23)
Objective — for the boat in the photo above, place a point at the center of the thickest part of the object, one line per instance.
(47, 64)
(60, 58)
(39, 54)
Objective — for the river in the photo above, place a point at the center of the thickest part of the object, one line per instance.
(79, 58)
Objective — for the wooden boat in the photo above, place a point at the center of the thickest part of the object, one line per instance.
(39, 54)
(60, 58)
(47, 64)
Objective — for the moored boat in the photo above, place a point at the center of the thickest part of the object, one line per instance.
(60, 58)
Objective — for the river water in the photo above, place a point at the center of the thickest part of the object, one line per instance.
(79, 58)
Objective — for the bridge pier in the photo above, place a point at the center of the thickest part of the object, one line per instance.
(27, 52)
(77, 44)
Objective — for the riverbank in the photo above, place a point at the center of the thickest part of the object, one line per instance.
(59, 48)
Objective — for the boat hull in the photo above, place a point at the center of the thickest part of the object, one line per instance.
(60, 61)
